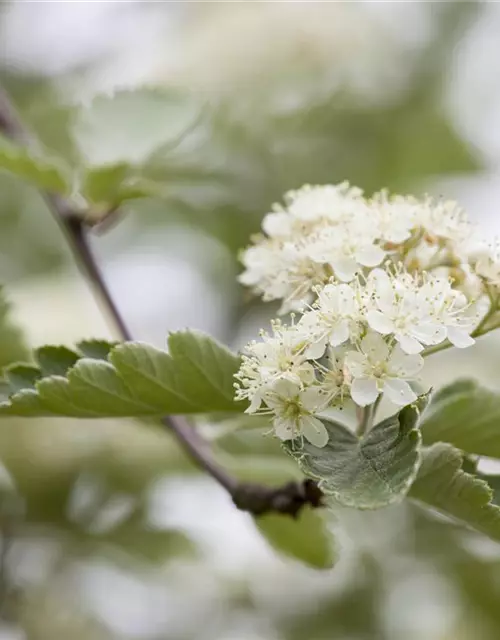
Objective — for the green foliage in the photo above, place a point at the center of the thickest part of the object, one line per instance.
(106, 187)
(467, 416)
(305, 538)
(443, 485)
(39, 171)
(308, 538)
(369, 472)
(12, 347)
(128, 380)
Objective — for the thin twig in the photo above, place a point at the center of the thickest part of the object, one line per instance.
(254, 498)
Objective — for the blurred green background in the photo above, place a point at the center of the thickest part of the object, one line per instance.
(107, 530)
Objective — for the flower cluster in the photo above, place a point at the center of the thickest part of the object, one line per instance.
(380, 283)
(333, 231)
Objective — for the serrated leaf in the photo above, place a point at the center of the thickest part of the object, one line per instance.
(43, 173)
(55, 361)
(96, 349)
(369, 472)
(308, 538)
(22, 376)
(154, 376)
(467, 416)
(134, 380)
(443, 485)
(164, 115)
(209, 365)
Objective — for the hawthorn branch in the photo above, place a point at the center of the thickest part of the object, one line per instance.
(254, 498)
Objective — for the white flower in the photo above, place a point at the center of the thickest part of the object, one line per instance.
(444, 221)
(402, 309)
(487, 264)
(313, 203)
(376, 369)
(448, 308)
(282, 271)
(259, 261)
(293, 408)
(334, 320)
(395, 216)
(278, 224)
(277, 357)
(348, 248)
(335, 383)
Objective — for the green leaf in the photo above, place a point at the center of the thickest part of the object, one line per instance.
(151, 118)
(467, 416)
(12, 346)
(305, 538)
(367, 473)
(96, 349)
(108, 186)
(22, 376)
(126, 380)
(43, 173)
(206, 364)
(308, 538)
(443, 485)
(55, 361)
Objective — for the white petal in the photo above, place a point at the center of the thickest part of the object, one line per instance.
(404, 365)
(370, 256)
(356, 363)
(399, 392)
(255, 404)
(313, 399)
(408, 344)
(285, 429)
(314, 431)
(380, 322)
(364, 391)
(282, 389)
(375, 347)
(460, 338)
(345, 268)
(347, 299)
(429, 333)
(277, 224)
(315, 350)
(339, 334)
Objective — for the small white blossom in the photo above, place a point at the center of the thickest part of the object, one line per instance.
(347, 249)
(395, 216)
(334, 320)
(402, 307)
(487, 264)
(444, 221)
(277, 357)
(330, 202)
(376, 368)
(293, 409)
(448, 309)
(335, 381)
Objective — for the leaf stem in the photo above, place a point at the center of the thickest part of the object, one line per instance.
(254, 498)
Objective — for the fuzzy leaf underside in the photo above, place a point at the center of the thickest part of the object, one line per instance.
(367, 473)
(131, 379)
